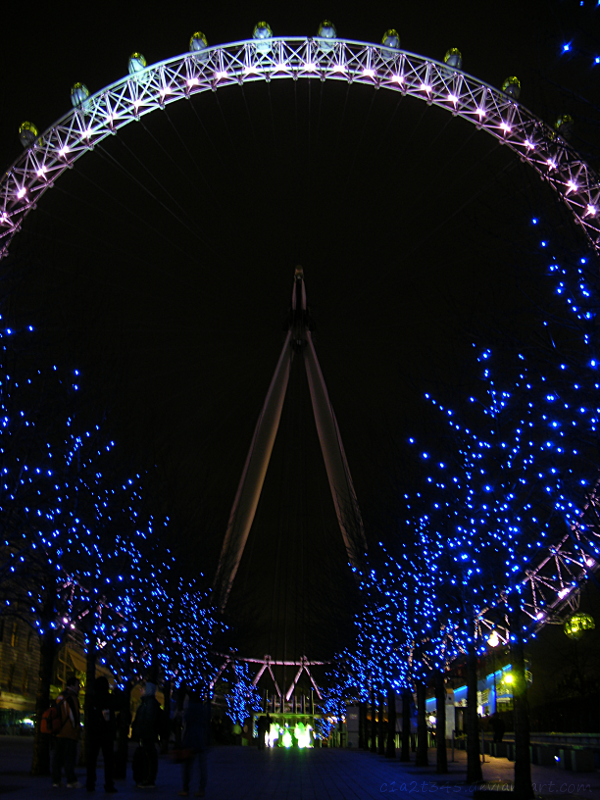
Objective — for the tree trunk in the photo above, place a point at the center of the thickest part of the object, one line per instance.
(381, 733)
(405, 751)
(421, 758)
(440, 725)
(523, 788)
(474, 774)
(390, 750)
(88, 700)
(164, 739)
(40, 764)
(373, 747)
(362, 726)
(123, 723)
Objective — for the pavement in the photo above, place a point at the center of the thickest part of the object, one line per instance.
(245, 773)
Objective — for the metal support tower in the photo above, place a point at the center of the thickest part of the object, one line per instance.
(298, 344)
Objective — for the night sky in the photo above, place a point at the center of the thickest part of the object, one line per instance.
(162, 265)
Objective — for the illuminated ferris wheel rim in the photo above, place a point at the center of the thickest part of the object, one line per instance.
(181, 77)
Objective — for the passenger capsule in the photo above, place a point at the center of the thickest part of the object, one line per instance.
(28, 133)
(262, 34)
(198, 42)
(326, 31)
(453, 58)
(391, 38)
(137, 63)
(79, 95)
(512, 87)
(578, 624)
(564, 126)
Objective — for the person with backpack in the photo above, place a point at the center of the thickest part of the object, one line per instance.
(100, 733)
(65, 750)
(147, 726)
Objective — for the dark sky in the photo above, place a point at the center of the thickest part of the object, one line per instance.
(162, 265)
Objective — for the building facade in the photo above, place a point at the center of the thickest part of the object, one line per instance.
(19, 666)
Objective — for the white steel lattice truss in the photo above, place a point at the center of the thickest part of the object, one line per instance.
(553, 585)
(551, 591)
(298, 344)
(186, 75)
(266, 664)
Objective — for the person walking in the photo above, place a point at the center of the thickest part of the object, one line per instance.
(65, 751)
(100, 735)
(261, 729)
(196, 740)
(147, 726)
(498, 727)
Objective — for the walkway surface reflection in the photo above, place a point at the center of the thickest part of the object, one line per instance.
(245, 773)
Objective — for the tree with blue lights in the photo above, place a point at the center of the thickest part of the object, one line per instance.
(35, 404)
(108, 542)
(404, 633)
(345, 685)
(72, 536)
(519, 463)
(82, 551)
(185, 642)
(374, 666)
(523, 467)
(243, 697)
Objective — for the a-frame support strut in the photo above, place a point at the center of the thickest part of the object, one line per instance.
(298, 344)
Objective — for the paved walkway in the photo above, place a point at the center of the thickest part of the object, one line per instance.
(245, 773)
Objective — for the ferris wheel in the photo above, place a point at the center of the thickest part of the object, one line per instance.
(148, 88)
(265, 58)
